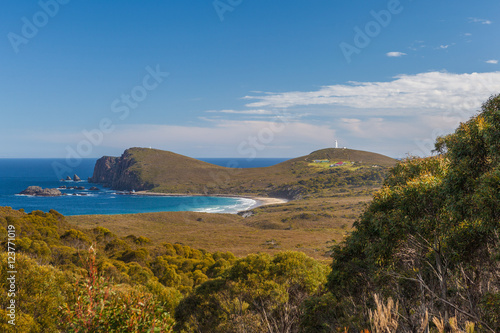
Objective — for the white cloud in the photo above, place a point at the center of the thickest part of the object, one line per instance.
(492, 61)
(479, 20)
(444, 46)
(395, 54)
(436, 91)
(256, 112)
(380, 128)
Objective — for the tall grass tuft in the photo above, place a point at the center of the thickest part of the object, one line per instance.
(384, 319)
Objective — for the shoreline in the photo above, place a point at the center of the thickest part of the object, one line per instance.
(259, 201)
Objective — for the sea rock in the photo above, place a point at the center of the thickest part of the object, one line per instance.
(80, 188)
(40, 192)
(62, 187)
(32, 190)
(68, 178)
(93, 188)
(76, 178)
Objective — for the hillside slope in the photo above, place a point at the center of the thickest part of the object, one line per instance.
(167, 172)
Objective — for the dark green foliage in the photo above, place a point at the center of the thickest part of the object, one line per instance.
(184, 268)
(140, 255)
(326, 313)
(258, 293)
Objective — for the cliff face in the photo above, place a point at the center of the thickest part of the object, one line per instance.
(118, 174)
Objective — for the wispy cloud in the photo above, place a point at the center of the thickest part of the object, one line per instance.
(492, 61)
(219, 138)
(444, 46)
(416, 45)
(395, 54)
(424, 91)
(479, 20)
(255, 112)
(380, 128)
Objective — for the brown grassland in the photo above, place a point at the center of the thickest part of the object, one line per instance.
(308, 225)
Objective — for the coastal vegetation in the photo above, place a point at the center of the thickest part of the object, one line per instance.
(423, 255)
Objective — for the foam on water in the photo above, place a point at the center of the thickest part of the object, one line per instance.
(241, 205)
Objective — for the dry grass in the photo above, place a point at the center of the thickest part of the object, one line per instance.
(453, 325)
(384, 318)
(309, 226)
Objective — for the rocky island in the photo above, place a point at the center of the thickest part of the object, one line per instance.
(41, 192)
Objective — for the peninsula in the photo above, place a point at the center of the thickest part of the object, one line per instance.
(153, 170)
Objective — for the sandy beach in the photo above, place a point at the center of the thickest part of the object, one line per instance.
(260, 201)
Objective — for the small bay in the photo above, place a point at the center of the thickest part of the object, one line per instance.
(17, 174)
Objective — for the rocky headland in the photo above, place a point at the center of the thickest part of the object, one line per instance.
(118, 173)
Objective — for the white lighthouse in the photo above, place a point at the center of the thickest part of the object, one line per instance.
(336, 144)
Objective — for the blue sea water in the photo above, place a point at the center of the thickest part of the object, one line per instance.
(17, 174)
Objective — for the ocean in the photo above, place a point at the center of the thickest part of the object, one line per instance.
(17, 174)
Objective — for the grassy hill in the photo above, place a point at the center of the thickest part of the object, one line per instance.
(338, 154)
(167, 172)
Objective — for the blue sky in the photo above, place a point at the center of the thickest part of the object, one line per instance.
(245, 78)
